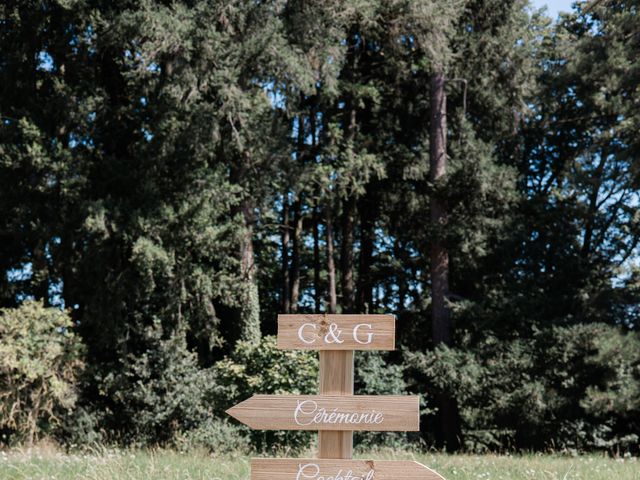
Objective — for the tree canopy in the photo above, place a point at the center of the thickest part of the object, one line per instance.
(177, 173)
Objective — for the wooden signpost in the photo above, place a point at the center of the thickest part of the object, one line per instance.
(336, 412)
(303, 468)
(329, 412)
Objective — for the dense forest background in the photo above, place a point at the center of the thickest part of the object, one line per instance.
(174, 174)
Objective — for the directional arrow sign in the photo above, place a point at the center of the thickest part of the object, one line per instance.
(327, 412)
(336, 332)
(308, 469)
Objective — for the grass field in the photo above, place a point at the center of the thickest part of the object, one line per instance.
(161, 465)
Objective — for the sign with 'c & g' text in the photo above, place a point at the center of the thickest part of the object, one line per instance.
(336, 332)
(336, 413)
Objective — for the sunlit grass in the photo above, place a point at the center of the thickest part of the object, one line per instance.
(162, 464)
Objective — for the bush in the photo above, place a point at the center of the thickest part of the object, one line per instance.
(263, 369)
(157, 395)
(81, 429)
(375, 375)
(216, 436)
(565, 388)
(40, 359)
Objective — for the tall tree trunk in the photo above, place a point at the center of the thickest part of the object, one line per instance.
(367, 238)
(295, 255)
(348, 223)
(442, 328)
(440, 317)
(250, 315)
(297, 219)
(248, 327)
(317, 288)
(331, 268)
(285, 255)
(349, 204)
(346, 255)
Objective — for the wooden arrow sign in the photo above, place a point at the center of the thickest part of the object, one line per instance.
(327, 412)
(308, 469)
(336, 332)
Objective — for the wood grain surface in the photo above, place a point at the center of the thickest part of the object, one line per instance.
(308, 469)
(336, 378)
(325, 412)
(336, 332)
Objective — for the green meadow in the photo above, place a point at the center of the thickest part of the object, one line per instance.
(170, 465)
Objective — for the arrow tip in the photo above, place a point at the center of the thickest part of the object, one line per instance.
(232, 411)
(237, 412)
(431, 474)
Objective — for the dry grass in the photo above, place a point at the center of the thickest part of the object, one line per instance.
(48, 463)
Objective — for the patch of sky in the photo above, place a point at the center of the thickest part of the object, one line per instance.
(23, 297)
(275, 94)
(55, 294)
(147, 134)
(555, 7)
(22, 273)
(75, 140)
(45, 61)
(296, 128)
(307, 299)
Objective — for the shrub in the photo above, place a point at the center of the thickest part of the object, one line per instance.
(216, 436)
(566, 388)
(376, 375)
(158, 394)
(40, 358)
(81, 429)
(262, 368)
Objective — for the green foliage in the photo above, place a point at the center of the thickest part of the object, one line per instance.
(158, 395)
(40, 360)
(263, 369)
(155, 157)
(218, 437)
(376, 375)
(568, 388)
(83, 429)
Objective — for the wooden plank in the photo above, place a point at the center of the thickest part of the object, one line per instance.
(336, 332)
(336, 378)
(309, 469)
(388, 413)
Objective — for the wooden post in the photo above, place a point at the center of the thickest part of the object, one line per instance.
(336, 407)
(336, 378)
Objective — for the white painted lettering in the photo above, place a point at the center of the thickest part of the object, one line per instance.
(307, 413)
(301, 333)
(312, 470)
(369, 335)
(333, 335)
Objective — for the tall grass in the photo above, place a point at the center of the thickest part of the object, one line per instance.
(102, 464)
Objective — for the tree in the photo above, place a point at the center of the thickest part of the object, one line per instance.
(41, 360)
